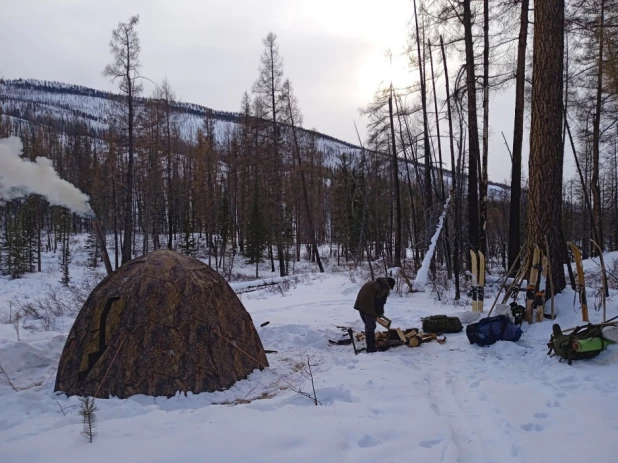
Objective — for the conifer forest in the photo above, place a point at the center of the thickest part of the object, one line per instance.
(258, 186)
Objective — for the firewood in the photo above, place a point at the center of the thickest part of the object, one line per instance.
(414, 341)
(401, 335)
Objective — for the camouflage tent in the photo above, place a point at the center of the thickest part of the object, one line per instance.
(159, 324)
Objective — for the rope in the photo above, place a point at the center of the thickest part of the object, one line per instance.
(110, 365)
(255, 360)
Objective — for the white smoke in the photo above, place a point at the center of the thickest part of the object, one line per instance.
(20, 177)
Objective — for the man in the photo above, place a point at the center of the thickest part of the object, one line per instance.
(370, 303)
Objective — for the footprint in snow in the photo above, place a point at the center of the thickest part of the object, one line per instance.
(377, 411)
(552, 404)
(561, 395)
(541, 416)
(532, 427)
(368, 441)
(430, 443)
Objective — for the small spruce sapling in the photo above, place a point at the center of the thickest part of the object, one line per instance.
(87, 410)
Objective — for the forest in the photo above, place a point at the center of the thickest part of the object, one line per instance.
(263, 189)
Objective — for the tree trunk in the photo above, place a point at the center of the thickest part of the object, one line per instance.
(484, 178)
(426, 145)
(546, 154)
(453, 175)
(128, 213)
(596, 130)
(395, 164)
(473, 131)
(518, 137)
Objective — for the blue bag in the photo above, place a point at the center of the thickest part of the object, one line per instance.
(489, 330)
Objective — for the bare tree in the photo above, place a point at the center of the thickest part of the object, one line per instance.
(124, 68)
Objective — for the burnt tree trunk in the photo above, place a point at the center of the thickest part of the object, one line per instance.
(453, 175)
(546, 153)
(596, 130)
(484, 178)
(395, 163)
(473, 131)
(518, 137)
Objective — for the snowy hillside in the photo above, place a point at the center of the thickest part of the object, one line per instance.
(451, 402)
(27, 100)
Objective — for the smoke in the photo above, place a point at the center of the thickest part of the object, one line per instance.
(20, 177)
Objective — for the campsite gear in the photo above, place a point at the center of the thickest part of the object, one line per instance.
(477, 260)
(162, 323)
(372, 297)
(604, 293)
(581, 284)
(610, 333)
(503, 285)
(491, 329)
(441, 324)
(531, 288)
(584, 342)
(519, 313)
(264, 324)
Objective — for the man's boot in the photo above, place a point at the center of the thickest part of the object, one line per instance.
(370, 337)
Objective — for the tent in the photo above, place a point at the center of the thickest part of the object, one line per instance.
(159, 324)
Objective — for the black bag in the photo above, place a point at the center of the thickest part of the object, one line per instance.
(491, 329)
(441, 324)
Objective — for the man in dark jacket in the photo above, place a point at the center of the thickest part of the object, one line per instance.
(370, 303)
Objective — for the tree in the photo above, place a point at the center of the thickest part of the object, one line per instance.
(473, 130)
(546, 153)
(294, 119)
(268, 88)
(125, 48)
(518, 137)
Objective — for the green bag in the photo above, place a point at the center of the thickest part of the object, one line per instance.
(584, 342)
(441, 324)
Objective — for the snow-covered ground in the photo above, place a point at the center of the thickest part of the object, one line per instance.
(454, 402)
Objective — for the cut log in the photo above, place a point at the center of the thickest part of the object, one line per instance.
(415, 341)
(384, 321)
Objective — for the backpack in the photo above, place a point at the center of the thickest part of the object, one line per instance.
(562, 344)
(491, 329)
(441, 324)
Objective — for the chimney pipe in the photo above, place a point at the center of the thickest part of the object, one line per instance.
(101, 239)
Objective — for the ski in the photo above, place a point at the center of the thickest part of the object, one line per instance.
(581, 283)
(474, 280)
(603, 278)
(531, 290)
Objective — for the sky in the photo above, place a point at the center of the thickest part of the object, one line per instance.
(333, 52)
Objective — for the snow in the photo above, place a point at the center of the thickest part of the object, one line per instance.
(455, 402)
(421, 277)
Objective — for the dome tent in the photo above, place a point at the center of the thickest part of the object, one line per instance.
(161, 323)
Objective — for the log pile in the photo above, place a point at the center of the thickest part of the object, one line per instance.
(394, 337)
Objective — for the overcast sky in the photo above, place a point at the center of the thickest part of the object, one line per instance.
(333, 52)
